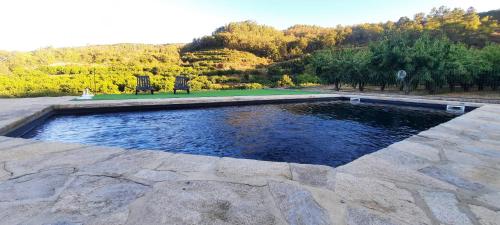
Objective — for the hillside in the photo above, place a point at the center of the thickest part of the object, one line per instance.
(133, 57)
(235, 54)
(223, 59)
(465, 26)
(63, 71)
(494, 14)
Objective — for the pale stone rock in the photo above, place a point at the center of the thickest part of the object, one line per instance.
(450, 177)
(401, 158)
(492, 199)
(4, 174)
(486, 148)
(450, 135)
(381, 196)
(464, 177)
(93, 195)
(157, 176)
(4, 139)
(205, 202)
(481, 174)
(297, 205)
(380, 188)
(21, 212)
(429, 147)
(371, 166)
(34, 186)
(331, 202)
(29, 149)
(363, 217)
(56, 220)
(72, 158)
(485, 216)
(473, 129)
(93, 200)
(189, 163)
(314, 175)
(421, 150)
(241, 168)
(460, 156)
(117, 218)
(129, 162)
(8, 143)
(444, 206)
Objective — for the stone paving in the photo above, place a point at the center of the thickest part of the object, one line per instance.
(449, 174)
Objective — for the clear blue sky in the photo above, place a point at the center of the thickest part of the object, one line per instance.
(32, 24)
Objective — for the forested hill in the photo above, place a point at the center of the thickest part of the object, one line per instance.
(235, 55)
(118, 54)
(494, 14)
(112, 68)
(465, 26)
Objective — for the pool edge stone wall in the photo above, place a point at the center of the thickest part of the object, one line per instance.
(445, 174)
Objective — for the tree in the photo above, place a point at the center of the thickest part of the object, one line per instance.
(359, 67)
(390, 55)
(491, 55)
(427, 60)
(383, 75)
(325, 65)
(466, 67)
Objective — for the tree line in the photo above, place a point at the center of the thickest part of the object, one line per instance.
(464, 26)
(431, 62)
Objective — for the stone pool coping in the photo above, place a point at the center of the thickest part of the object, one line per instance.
(448, 174)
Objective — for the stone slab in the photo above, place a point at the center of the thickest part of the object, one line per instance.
(445, 175)
(297, 205)
(205, 202)
(486, 216)
(445, 208)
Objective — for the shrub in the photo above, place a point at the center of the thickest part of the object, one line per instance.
(162, 83)
(224, 79)
(261, 79)
(200, 82)
(309, 84)
(307, 78)
(285, 81)
(219, 86)
(195, 85)
(252, 86)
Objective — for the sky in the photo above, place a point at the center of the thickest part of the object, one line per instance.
(30, 24)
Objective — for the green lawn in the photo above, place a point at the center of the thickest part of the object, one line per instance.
(196, 94)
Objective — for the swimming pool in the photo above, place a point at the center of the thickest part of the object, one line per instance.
(329, 133)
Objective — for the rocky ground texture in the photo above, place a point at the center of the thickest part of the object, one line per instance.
(449, 174)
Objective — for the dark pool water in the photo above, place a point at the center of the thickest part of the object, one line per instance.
(327, 133)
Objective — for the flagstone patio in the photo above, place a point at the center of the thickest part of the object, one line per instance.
(449, 174)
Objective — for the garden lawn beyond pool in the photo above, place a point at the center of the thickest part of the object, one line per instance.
(195, 94)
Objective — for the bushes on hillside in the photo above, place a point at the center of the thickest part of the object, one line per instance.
(39, 84)
(285, 81)
(199, 82)
(251, 86)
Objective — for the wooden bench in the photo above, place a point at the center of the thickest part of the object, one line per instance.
(181, 83)
(143, 84)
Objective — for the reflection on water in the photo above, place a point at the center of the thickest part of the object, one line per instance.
(328, 133)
